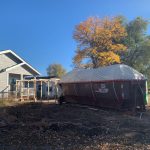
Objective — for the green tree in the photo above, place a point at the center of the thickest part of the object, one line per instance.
(56, 70)
(138, 46)
(135, 39)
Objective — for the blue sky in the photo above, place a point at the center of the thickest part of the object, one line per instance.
(41, 31)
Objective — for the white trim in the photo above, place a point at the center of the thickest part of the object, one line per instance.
(15, 66)
(10, 51)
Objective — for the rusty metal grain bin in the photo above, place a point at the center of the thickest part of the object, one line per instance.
(116, 86)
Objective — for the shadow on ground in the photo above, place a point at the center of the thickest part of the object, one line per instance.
(51, 126)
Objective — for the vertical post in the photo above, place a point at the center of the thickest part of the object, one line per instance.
(28, 89)
(41, 90)
(7, 90)
(21, 89)
(16, 89)
(35, 98)
(48, 87)
(56, 91)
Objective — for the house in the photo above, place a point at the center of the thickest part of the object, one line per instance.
(12, 68)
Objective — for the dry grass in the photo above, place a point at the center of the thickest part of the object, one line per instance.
(4, 102)
(50, 126)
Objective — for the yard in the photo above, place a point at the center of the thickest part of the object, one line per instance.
(49, 126)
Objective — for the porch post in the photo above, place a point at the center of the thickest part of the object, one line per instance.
(28, 89)
(41, 90)
(35, 97)
(48, 87)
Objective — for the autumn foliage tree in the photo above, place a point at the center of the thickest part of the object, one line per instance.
(99, 42)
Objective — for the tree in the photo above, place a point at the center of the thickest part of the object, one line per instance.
(56, 70)
(99, 42)
(138, 43)
(135, 40)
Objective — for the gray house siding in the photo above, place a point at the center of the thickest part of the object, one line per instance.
(9, 68)
(3, 81)
(20, 70)
(6, 62)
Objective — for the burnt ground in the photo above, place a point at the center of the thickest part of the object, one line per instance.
(71, 127)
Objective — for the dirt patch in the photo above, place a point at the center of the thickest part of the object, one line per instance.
(49, 126)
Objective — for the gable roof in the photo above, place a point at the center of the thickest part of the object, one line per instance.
(18, 57)
(108, 73)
